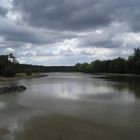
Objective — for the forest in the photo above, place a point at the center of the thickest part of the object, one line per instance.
(9, 66)
(117, 65)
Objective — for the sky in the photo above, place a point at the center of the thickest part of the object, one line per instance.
(66, 32)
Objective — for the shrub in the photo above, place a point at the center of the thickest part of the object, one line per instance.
(9, 72)
(28, 72)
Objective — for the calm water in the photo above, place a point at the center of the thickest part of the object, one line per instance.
(72, 106)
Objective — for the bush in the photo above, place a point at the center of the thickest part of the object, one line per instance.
(28, 72)
(9, 72)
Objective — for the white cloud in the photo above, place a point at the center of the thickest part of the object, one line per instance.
(9, 50)
(6, 3)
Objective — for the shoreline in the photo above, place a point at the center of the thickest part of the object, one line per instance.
(19, 76)
(118, 74)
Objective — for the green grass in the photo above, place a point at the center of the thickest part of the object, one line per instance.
(24, 74)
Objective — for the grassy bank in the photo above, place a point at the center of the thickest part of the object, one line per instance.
(5, 80)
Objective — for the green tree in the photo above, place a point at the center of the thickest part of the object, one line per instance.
(4, 62)
(133, 63)
(28, 72)
(9, 72)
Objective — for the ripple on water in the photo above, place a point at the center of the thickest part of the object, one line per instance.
(2, 105)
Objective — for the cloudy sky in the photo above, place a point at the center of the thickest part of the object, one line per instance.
(64, 32)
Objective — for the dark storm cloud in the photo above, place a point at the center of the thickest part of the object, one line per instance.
(104, 44)
(14, 33)
(63, 14)
(3, 11)
(57, 30)
(26, 34)
(16, 36)
(78, 14)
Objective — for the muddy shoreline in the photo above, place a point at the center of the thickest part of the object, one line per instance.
(4, 80)
(12, 89)
(6, 88)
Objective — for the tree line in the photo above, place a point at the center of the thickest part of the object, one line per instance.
(118, 65)
(9, 66)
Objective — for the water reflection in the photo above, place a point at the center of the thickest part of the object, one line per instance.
(128, 83)
(83, 86)
(88, 99)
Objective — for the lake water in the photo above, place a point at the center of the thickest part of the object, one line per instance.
(72, 106)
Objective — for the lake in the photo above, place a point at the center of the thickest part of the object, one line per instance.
(72, 106)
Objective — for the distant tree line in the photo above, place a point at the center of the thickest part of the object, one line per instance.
(9, 66)
(118, 65)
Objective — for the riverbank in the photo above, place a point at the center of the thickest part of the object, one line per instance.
(5, 80)
(117, 74)
(12, 89)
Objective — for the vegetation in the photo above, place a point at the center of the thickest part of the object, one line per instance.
(9, 66)
(28, 72)
(118, 65)
(9, 72)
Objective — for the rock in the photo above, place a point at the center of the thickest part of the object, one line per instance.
(12, 89)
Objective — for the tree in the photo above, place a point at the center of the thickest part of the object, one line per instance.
(133, 63)
(9, 72)
(12, 58)
(7, 65)
(4, 62)
(118, 65)
(137, 61)
(78, 67)
(28, 72)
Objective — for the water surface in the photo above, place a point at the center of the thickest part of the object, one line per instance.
(72, 106)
